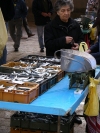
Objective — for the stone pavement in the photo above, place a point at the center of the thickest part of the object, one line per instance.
(27, 47)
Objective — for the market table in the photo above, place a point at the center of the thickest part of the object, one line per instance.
(59, 100)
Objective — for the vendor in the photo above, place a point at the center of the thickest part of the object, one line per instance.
(63, 32)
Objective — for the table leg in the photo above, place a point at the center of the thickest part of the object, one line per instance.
(58, 124)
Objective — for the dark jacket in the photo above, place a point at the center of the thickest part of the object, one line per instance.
(56, 31)
(97, 22)
(37, 9)
(7, 8)
(95, 52)
(20, 9)
(95, 48)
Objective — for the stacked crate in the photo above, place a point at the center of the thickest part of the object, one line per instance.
(39, 123)
(43, 85)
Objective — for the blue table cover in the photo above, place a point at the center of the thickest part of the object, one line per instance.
(59, 100)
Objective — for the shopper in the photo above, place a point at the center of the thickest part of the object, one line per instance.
(15, 25)
(42, 10)
(7, 8)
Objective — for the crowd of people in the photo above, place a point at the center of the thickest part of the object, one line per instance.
(58, 33)
(52, 34)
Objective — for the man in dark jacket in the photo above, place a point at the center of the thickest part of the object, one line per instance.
(62, 31)
(7, 8)
(42, 10)
(15, 25)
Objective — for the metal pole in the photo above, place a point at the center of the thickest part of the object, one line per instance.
(58, 126)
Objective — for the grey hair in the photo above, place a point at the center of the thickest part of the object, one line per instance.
(59, 3)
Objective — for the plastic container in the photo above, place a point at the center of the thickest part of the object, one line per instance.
(15, 121)
(39, 125)
(31, 58)
(26, 96)
(15, 130)
(43, 87)
(25, 131)
(35, 131)
(20, 95)
(25, 122)
(52, 81)
(17, 65)
(4, 95)
(8, 70)
(60, 75)
(64, 127)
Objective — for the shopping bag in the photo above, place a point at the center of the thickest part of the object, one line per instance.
(3, 34)
(83, 47)
(93, 33)
(91, 107)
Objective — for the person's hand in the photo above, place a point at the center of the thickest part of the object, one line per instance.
(76, 46)
(69, 39)
(88, 51)
(44, 14)
(49, 14)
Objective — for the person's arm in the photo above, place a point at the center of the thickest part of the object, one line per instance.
(94, 48)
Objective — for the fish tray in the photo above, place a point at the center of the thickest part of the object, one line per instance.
(24, 93)
(17, 65)
(31, 58)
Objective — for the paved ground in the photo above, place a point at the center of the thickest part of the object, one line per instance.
(29, 46)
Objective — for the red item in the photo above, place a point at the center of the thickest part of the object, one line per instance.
(93, 124)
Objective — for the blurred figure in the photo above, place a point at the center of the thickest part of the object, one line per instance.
(7, 8)
(15, 25)
(42, 10)
(94, 50)
(27, 29)
(92, 8)
(92, 5)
